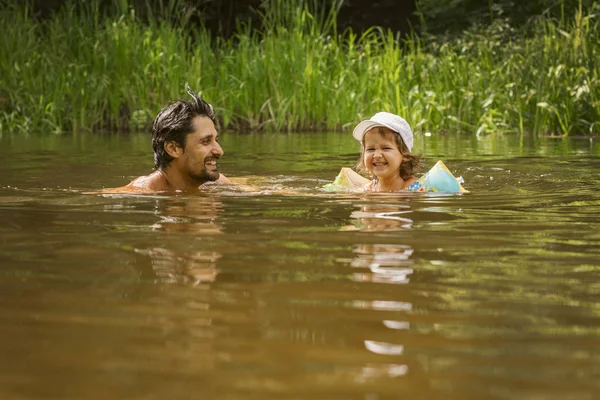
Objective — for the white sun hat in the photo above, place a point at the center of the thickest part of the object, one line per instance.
(387, 120)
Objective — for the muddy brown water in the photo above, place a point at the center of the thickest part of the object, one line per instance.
(291, 292)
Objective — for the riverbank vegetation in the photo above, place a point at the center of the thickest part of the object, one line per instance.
(84, 70)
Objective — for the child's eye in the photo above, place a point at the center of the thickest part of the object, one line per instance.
(370, 149)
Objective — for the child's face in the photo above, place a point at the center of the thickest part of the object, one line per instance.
(381, 154)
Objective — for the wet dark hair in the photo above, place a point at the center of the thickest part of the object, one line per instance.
(174, 123)
(410, 162)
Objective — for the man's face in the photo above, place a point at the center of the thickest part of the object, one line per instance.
(201, 152)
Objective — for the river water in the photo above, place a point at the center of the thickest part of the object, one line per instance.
(287, 291)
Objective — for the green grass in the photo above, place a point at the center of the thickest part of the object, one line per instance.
(80, 71)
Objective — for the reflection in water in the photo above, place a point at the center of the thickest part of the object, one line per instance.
(194, 267)
(396, 324)
(384, 305)
(382, 218)
(379, 371)
(196, 216)
(186, 255)
(388, 349)
(190, 215)
(386, 263)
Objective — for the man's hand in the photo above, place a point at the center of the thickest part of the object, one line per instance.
(224, 179)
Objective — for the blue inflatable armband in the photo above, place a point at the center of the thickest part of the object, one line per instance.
(438, 179)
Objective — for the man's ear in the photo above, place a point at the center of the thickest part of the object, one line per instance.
(173, 149)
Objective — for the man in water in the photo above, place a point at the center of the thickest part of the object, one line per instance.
(186, 149)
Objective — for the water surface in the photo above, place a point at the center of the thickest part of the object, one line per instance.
(292, 292)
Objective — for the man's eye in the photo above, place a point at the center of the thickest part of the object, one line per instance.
(206, 141)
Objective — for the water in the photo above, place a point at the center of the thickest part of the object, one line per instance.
(291, 292)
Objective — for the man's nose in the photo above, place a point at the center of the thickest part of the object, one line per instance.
(217, 149)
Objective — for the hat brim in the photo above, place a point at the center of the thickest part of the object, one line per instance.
(363, 127)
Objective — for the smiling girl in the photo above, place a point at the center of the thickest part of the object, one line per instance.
(386, 143)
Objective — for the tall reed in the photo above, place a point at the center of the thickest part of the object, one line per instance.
(81, 70)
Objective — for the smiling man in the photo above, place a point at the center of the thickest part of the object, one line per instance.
(186, 149)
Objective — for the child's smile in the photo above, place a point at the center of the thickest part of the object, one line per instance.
(381, 155)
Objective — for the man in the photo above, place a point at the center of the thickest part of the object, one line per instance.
(186, 149)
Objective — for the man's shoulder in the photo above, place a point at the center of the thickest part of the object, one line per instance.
(150, 182)
(141, 185)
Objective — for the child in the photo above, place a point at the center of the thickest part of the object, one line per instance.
(386, 143)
